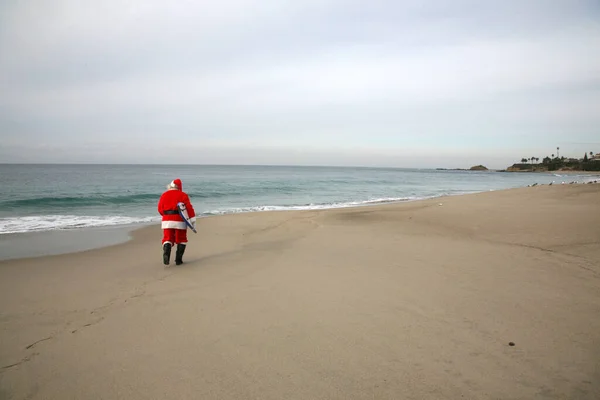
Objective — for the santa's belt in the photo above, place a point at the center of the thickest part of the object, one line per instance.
(171, 212)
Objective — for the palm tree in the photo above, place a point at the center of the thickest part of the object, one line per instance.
(524, 160)
(552, 155)
(557, 153)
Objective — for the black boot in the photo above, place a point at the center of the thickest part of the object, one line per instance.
(179, 254)
(166, 253)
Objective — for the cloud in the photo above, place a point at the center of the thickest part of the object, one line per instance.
(326, 77)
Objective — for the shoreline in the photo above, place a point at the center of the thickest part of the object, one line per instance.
(15, 246)
(104, 236)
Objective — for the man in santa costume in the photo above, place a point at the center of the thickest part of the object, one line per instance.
(174, 227)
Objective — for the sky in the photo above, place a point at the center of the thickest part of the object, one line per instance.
(391, 83)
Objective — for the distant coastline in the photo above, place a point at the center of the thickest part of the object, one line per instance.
(590, 162)
(557, 172)
(474, 168)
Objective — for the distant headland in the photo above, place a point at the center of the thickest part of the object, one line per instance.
(474, 168)
(589, 162)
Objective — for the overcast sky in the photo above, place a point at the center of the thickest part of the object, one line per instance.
(415, 83)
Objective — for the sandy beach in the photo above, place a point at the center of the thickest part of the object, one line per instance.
(416, 300)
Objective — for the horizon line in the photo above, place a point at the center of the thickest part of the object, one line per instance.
(237, 165)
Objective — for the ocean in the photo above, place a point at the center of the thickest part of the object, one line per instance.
(66, 197)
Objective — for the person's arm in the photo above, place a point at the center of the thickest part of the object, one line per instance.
(160, 205)
(190, 210)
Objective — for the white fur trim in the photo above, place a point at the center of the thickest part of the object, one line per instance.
(173, 225)
(171, 243)
(172, 186)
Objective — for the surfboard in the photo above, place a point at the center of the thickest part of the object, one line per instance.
(184, 215)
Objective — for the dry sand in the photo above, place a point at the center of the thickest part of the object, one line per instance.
(403, 301)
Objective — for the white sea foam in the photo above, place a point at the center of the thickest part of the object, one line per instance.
(313, 206)
(58, 222)
(54, 222)
(584, 177)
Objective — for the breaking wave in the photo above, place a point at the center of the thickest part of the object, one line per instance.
(55, 222)
(321, 206)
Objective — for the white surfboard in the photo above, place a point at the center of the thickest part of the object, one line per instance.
(184, 214)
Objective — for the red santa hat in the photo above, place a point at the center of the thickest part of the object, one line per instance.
(175, 184)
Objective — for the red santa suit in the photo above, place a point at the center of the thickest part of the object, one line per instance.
(174, 227)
